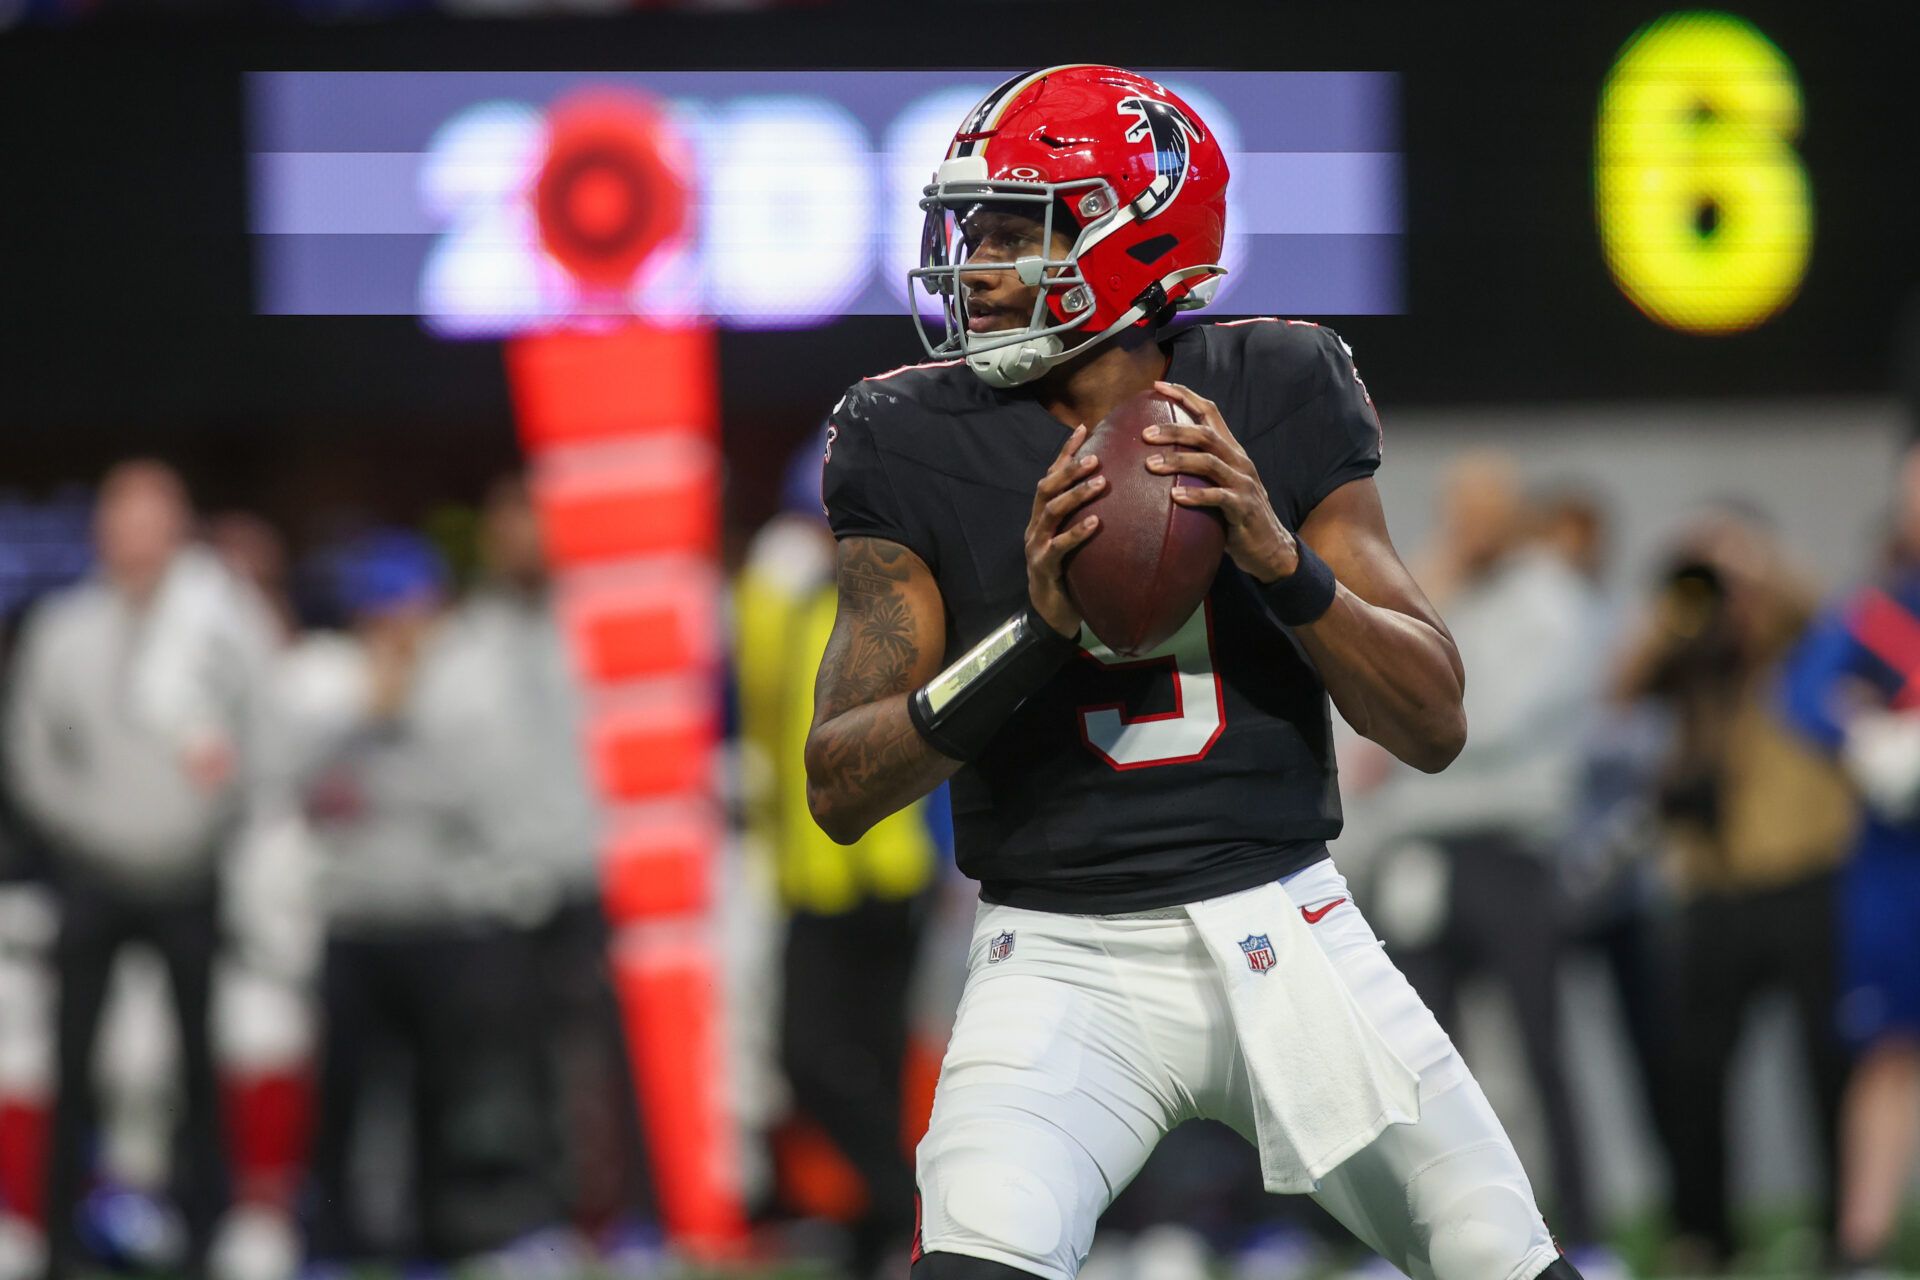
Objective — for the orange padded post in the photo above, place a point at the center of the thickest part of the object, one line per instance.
(659, 862)
(626, 479)
(581, 388)
(621, 427)
(635, 625)
(670, 982)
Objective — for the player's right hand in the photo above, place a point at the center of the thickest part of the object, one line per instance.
(1069, 484)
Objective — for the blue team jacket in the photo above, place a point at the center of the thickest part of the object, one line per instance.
(1871, 638)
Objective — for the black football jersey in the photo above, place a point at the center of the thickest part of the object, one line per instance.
(1201, 769)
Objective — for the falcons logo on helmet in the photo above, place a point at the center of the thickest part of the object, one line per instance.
(1173, 138)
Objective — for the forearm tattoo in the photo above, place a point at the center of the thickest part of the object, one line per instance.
(854, 755)
(872, 650)
(862, 754)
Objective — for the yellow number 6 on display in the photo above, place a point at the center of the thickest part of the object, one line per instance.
(1705, 212)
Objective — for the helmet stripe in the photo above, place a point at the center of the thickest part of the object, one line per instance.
(986, 115)
(968, 136)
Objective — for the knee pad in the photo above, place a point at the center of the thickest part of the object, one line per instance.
(1016, 1190)
(1470, 1211)
(1478, 1215)
(994, 1200)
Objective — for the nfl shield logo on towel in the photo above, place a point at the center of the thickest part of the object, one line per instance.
(1000, 948)
(1259, 952)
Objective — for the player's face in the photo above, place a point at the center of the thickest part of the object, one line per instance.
(996, 299)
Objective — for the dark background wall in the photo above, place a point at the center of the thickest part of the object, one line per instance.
(125, 292)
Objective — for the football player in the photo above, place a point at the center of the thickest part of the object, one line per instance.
(1149, 835)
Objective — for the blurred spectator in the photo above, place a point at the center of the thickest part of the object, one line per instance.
(137, 697)
(1755, 823)
(253, 551)
(1612, 885)
(18, 857)
(426, 944)
(855, 911)
(28, 922)
(1481, 839)
(1572, 524)
(1854, 688)
(504, 647)
(264, 1013)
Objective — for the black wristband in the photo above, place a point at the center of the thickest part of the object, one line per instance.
(1303, 595)
(960, 709)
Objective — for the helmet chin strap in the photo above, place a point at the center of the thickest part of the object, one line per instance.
(1019, 362)
(1011, 365)
(1016, 363)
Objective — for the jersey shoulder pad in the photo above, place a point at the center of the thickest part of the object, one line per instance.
(906, 411)
(878, 436)
(945, 386)
(1298, 378)
(1285, 346)
(1296, 353)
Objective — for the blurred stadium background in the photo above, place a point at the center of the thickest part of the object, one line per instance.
(490, 341)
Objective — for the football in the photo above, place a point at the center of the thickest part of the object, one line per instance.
(1149, 566)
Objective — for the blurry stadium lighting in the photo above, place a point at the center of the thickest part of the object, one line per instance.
(786, 229)
(477, 281)
(1704, 208)
(437, 194)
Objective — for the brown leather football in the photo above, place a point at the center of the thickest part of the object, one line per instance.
(1139, 578)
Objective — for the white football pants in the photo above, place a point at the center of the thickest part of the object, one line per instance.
(1081, 1040)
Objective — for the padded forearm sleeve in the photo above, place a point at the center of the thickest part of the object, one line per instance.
(961, 708)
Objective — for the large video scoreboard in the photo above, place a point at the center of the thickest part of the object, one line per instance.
(1494, 202)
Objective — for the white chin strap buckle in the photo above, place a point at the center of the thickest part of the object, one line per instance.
(1019, 362)
(1200, 295)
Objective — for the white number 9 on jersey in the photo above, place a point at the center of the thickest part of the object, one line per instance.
(1179, 736)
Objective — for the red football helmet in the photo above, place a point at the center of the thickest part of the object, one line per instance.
(1107, 155)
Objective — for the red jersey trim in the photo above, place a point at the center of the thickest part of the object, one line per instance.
(909, 368)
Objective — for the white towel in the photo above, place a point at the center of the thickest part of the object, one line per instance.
(1325, 1083)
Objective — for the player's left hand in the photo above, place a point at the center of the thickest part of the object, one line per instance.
(1207, 450)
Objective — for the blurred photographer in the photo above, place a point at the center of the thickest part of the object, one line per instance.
(1755, 824)
(1853, 687)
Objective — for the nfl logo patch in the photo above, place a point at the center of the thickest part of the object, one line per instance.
(1000, 948)
(1259, 952)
